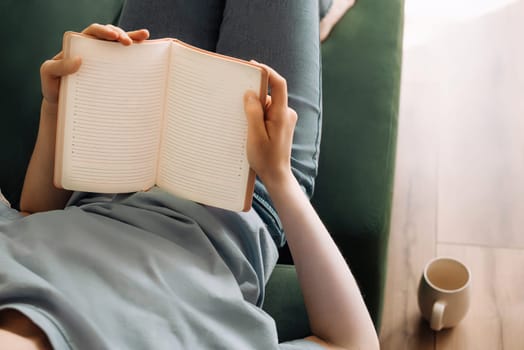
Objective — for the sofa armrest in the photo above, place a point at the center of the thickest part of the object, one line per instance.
(361, 82)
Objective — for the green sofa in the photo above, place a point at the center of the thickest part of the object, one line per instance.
(361, 62)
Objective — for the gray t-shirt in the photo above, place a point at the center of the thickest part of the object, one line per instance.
(141, 271)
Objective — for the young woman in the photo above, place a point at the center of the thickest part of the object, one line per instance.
(148, 270)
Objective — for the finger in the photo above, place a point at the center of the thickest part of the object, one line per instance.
(59, 56)
(268, 102)
(51, 71)
(101, 32)
(122, 35)
(278, 86)
(293, 117)
(256, 127)
(139, 35)
(58, 68)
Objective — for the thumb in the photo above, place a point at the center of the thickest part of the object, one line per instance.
(256, 128)
(56, 68)
(51, 71)
(69, 66)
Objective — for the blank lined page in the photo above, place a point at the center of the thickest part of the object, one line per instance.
(203, 152)
(114, 115)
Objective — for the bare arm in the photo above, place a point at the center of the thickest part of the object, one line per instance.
(39, 193)
(337, 313)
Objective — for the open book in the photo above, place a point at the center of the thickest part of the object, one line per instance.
(156, 113)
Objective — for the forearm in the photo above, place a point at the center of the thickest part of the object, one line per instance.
(336, 310)
(39, 193)
(337, 314)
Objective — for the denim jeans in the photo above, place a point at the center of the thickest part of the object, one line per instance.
(283, 34)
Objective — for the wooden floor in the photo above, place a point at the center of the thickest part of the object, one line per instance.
(459, 187)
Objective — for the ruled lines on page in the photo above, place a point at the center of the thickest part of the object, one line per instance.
(203, 154)
(115, 116)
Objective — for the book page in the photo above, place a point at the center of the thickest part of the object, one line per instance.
(113, 115)
(203, 152)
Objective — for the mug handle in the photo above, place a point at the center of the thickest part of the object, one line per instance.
(437, 315)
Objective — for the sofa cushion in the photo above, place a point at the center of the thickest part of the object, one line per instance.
(361, 86)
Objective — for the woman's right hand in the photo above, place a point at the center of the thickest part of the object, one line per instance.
(270, 133)
(52, 70)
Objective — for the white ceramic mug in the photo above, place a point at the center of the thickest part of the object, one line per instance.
(444, 292)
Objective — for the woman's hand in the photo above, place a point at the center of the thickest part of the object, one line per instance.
(337, 314)
(113, 33)
(39, 193)
(270, 132)
(54, 69)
